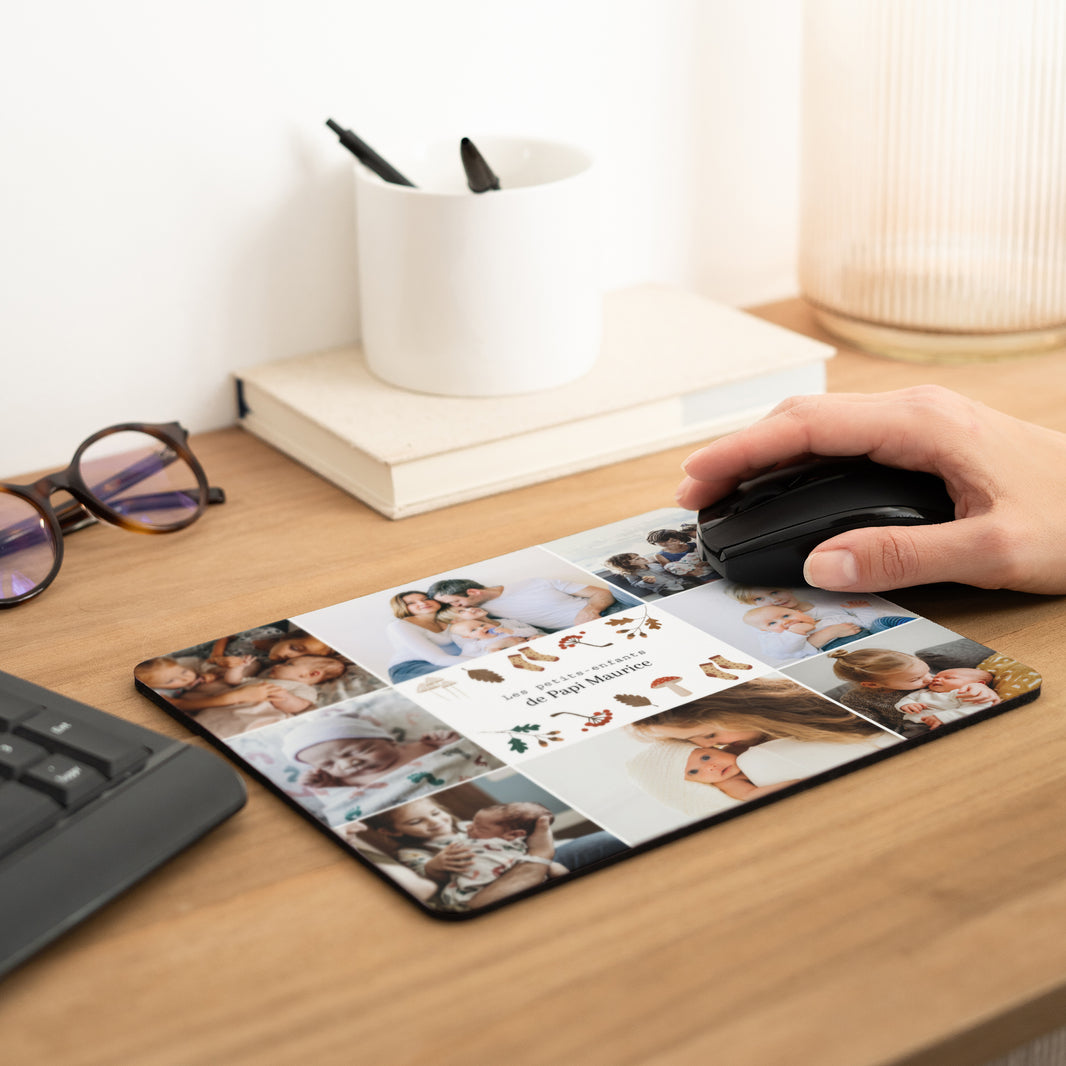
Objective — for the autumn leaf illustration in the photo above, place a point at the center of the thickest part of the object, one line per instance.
(633, 701)
(546, 738)
(638, 627)
(484, 675)
(532, 730)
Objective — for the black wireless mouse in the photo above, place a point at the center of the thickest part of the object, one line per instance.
(762, 533)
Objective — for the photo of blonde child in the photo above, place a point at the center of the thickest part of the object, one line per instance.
(476, 632)
(877, 672)
(782, 625)
(918, 677)
(792, 625)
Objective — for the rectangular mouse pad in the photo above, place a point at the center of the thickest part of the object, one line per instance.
(486, 733)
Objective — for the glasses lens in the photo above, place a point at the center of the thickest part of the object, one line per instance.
(27, 547)
(143, 479)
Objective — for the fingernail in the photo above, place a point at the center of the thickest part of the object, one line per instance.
(682, 489)
(833, 569)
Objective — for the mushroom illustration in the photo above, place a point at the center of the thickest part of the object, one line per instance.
(436, 684)
(672, 684)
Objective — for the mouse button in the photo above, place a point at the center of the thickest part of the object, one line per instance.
(728, 530)
(813, 532)
(781, 565)
(720, 509)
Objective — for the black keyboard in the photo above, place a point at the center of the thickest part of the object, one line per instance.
(89, 804)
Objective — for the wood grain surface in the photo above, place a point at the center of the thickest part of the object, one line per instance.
(913, 912)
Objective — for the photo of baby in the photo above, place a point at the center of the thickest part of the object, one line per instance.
(360, 756)
(918, 677)
(254, 678)
(783, 625)
(651, 555)
(484, 732)
(709, 756)
(472, 845)
(748, 741)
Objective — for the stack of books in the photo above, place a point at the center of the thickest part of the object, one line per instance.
(674, 368)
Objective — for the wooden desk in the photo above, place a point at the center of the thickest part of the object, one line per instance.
(914, 912)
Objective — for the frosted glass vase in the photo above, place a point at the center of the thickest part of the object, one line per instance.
(933, 202)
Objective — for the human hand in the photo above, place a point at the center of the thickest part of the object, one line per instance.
(800, 627)
(823, 636)
(319, 779)
(1007, 479)
(256, 692)
(977, 693)
(932, 721)
(506, 642)
(276, 695)
(856, 603)
(912, 708)
(586, 614)
(438, 738)
(540, 842)
(454, 858)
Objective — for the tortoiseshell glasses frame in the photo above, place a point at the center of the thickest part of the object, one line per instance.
(154, 458)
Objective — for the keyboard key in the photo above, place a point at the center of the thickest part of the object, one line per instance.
(110, 754)
(16, 754)
(14, 709)
(67, 781)
(23, 813)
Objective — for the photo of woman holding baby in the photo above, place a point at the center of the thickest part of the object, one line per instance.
(746, 742)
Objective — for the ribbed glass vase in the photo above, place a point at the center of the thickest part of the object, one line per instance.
(933, 218)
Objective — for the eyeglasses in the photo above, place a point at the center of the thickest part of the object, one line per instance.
(137, 476)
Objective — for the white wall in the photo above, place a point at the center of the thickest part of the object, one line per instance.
(173, 208)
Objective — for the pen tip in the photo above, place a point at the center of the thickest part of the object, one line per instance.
(479, 175)
(334, 126)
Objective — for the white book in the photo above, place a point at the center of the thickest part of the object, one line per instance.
(674, 368)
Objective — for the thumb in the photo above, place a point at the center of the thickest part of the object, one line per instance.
(894, 557)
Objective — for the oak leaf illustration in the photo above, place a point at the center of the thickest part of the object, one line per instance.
(633, 701)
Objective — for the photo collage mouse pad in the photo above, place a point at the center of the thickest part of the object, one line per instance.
(492, 731)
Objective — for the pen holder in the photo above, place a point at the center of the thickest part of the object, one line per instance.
(481, 294)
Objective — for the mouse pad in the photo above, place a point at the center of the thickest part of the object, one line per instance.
(493, 731)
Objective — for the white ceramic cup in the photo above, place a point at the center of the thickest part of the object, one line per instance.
(481, 294)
